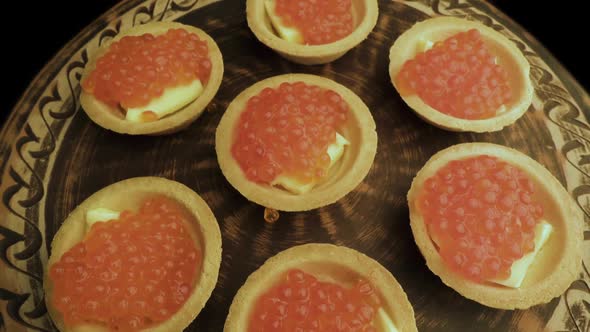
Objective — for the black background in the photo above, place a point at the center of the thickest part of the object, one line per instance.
(32, 32)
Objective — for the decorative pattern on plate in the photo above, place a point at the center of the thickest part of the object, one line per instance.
(42, 116)
(559, 100)
(52, 157)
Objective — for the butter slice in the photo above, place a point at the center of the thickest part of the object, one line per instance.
(424, 45)
(287, 33)
(519, 268)
(169, 102)
(384, 323)
(100, 215)
(501, 109)
(335, 151)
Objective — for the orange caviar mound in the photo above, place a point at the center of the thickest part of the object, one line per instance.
(137, 69)
(299, 302)
(287, 130)
(458, 77)
(481, 214)
(131, 273)
(320, 22)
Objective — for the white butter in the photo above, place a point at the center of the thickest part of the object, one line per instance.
(424, 45)
(287, 33)
(292, 185)
(519, 268)
(169, 102)
(384, 323)
(100, 215)
(335, 151)
(501, 109)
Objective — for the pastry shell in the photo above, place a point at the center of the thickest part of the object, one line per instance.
(365, 13)
(128, 194)
(556, 266)
(342, 178)
(326, 262)
(508, 55)
(112, 119)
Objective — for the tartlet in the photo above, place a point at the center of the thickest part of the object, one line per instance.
(365, 13)
(508, 56)
(557, 264)
(127, 195)
(326, 262)
(351, 169)
(109, 118)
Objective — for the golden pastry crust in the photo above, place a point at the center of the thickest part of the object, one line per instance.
(128, 195)
(109, 118)
(560, 259)
(365, 13)
(350, 170)
(508, 55)
(329, 263)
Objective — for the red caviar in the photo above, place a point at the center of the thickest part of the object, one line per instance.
(481, 213)
(287, 130)
(137, 69)
(131, 273)
(320, 22)
(458, 77)
(300, 302)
